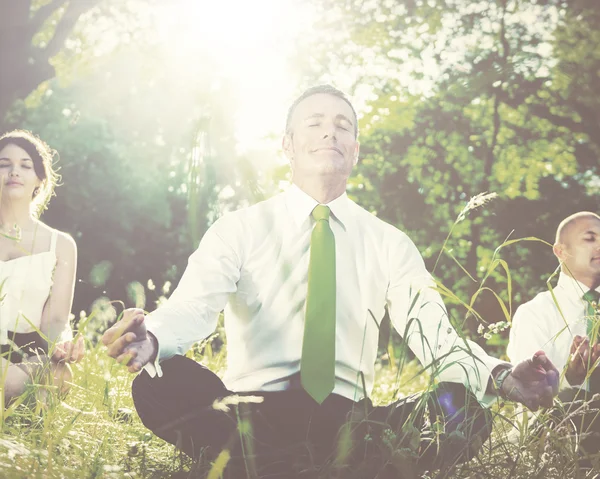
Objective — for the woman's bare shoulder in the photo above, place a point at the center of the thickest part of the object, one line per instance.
(65, 244)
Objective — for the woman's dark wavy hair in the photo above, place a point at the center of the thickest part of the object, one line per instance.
(43, 158)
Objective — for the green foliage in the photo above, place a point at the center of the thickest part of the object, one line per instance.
(472, 97)
(467, 97)
(95, 432)
(125, 114)
(88, 436)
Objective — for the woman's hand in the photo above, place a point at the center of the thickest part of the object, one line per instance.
(69, 351)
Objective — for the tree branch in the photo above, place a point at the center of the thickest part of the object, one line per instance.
(66, 24)
(543, 111)
(43, 13)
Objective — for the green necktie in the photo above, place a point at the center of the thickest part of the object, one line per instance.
(591, 298)
(317, 366)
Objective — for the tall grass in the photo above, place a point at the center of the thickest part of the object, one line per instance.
(95, 433)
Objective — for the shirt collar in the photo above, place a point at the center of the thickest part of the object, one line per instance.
(300, 206)
(572, 287)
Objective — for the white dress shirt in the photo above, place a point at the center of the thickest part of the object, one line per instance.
(549, 322)
(253, 264)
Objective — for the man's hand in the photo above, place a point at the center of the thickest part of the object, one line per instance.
(69, 351)
(582, 357)
(128, 341)
(533, 382)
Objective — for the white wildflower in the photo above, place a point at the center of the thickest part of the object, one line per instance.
(502, 325)
(475, 202)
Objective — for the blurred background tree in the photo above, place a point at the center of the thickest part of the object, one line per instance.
(146, 137)
(469, 97)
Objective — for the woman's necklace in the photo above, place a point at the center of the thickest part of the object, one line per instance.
(15, 233)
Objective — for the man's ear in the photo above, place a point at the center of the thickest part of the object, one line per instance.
(356, 152)
(287, 146)
(559, 251)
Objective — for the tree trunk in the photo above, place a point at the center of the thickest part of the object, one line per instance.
(23, 66)
(472, 261)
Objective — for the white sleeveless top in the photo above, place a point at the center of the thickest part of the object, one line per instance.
(25, 284)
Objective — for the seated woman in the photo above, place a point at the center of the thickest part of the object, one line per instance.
(37, 273)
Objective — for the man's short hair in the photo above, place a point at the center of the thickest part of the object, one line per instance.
(569, 220)
(315, 90)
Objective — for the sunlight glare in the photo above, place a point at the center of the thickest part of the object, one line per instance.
(252, 44)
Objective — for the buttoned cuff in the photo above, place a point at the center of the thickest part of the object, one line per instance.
(485, 398)
(473, 368)
(166, 348)
(153, 369)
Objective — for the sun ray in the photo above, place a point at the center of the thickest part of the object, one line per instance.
(251, 44)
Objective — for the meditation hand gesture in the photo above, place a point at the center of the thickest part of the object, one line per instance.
(70, 351)
(582, 356)
(533, 382)
(128, 341)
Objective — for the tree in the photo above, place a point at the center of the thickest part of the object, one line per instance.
(135, 195)
(27, 60)
(474, 96)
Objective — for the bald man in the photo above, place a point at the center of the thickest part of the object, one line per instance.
(563, 322)
(557, 321)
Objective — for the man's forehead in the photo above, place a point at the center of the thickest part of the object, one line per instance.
(583, 225)
(323, 104)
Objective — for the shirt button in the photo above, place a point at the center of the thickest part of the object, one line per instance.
(449, 330)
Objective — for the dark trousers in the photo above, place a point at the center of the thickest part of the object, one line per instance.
(271, 433)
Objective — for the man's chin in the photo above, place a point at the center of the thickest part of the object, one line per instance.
(333, 168)
(595, 271)
(595, 266)
(326, 171)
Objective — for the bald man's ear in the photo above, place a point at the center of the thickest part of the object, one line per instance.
(559, 251)
(288, 148)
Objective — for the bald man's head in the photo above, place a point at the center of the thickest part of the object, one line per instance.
(577, 247)
(562, 232)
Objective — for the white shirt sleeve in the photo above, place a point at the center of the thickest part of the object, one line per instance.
(191, 312)
(529, 333)
(419, 315)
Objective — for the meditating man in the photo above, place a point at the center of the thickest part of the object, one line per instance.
(564, 324)
(304, 279)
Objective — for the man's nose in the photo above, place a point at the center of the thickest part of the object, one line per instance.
(329, 132)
